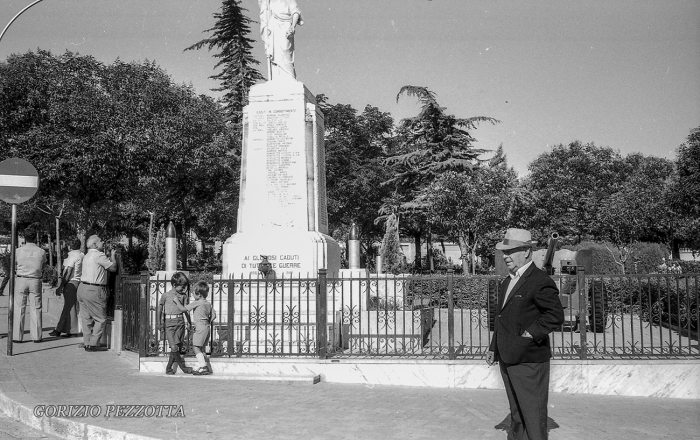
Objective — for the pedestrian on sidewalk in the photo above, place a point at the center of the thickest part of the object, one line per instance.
(70, 280)
(30, 260)
(202, 317)
(93, 292)
(169, 320)
(528, 310)
(4, 271)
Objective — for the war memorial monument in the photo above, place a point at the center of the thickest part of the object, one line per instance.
(282, 209)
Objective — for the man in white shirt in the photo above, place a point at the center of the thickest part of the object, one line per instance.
(70, 280)
(29, 260)
(93, 292)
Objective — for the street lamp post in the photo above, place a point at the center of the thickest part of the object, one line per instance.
(15, 17)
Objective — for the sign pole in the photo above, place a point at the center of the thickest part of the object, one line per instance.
(11, 296)
(19, 181)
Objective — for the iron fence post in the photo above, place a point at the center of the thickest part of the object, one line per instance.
(321, 307)
(118, 282)
(583, 309)
(230, 311)
(144, 301)
(450, 315)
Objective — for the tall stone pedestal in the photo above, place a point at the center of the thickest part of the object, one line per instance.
(282, 209)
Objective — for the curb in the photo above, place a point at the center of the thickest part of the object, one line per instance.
(59, 427)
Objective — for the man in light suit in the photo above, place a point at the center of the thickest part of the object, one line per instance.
(528, 310)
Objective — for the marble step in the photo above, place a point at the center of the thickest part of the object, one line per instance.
(284, 379)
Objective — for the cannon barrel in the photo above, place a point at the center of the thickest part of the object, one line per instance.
(549, 256)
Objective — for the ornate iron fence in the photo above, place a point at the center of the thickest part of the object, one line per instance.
(427, 316)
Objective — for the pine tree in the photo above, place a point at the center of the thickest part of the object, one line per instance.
(230, 37)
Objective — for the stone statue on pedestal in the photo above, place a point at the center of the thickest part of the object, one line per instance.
(278, 21)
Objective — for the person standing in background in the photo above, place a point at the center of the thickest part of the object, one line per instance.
(93, 292)
(70, 280)
(4, 271)
(29, 260)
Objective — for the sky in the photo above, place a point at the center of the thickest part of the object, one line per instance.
(623, 74)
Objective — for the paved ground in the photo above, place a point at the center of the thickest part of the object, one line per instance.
(11, 428)
(58, 372)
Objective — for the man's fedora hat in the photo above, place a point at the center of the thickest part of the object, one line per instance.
(516, 238)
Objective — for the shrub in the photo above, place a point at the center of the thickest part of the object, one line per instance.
(655, 299)
(688, 266)
(156, 252)
(134, 259)
(440, 262)
(469, 292)
(203, 275)
(604, 258)
(646, 257)
(202, 262)
(50, 275)
(643, 257)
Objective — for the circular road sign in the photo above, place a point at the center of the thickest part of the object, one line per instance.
(19, 180)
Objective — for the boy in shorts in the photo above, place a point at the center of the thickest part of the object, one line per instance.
(169, 319)
(202, 315)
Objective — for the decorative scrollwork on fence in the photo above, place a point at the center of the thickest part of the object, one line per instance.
(258, 317)
(351, 316)
(290, 316)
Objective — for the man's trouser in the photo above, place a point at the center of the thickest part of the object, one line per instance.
(527, 387)
(93, 312)
(27, 294)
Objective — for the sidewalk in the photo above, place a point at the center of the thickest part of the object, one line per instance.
(57, 372)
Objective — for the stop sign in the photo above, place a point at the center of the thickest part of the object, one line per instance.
(19, 180)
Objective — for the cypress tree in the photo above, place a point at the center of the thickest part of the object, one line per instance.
(238, 74)
(391, 246)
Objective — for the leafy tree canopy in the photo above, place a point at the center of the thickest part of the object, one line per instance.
(112, 142)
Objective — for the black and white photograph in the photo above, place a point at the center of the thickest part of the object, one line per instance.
(353, 220)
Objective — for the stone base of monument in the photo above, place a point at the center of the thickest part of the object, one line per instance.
(291, 253)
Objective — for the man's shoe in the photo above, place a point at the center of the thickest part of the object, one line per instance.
(188, 370)
(67, 335)
(98, 348)
(38, 340)
(54, 333)
(170, 372)
(202, 371)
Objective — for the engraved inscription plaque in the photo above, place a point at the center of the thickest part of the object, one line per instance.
(277, 145)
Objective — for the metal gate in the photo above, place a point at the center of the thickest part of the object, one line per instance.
(130, 288)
